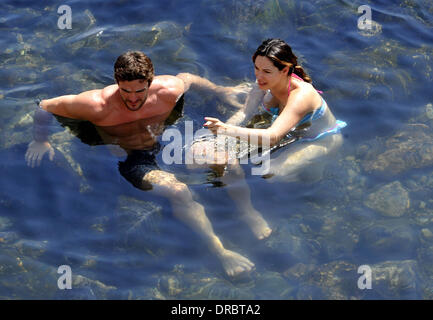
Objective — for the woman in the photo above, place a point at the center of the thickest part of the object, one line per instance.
(296, 114)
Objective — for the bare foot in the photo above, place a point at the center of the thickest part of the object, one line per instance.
(234, 264)
(257, 224)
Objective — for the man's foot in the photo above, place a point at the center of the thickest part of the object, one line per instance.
(257, 224)
(235, 264)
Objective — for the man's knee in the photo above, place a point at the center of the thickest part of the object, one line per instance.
(179, 191)
(167, 184)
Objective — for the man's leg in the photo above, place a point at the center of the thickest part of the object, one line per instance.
(193, 215)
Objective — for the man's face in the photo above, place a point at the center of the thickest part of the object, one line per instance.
(134, 93)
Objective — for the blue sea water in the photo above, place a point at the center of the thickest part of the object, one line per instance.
(69, 211)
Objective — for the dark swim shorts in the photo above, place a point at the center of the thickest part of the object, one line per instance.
(138, 164)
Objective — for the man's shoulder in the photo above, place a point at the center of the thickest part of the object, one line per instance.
(168, 82)
(168, 87)
(109, 91)
(98, 102)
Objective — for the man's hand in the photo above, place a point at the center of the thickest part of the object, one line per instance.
(231, 95)
(235, 96)
(35, 153)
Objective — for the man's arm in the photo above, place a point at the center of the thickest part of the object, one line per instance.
(84, 106)
(197, 82)
(41, 124)
(40, 145)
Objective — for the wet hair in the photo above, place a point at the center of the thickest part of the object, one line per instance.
(281, 55)
(133, 65)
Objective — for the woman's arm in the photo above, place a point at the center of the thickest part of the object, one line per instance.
(255, 136)
(254, 98)
(297, 106)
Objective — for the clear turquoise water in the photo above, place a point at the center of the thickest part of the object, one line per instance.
(56, 215)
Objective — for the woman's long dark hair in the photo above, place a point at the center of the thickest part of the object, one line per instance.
(280, 53)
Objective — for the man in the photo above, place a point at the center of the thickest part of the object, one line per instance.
(131, 113)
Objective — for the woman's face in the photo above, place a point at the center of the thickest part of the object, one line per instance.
(267, 75)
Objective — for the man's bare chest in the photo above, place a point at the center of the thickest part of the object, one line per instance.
(148, 125)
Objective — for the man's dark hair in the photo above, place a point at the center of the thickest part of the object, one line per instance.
(133, 65)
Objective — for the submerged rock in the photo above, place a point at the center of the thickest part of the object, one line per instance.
(143, 293)
(390, 200)
(346, 174)
(425, 263)
(202, 285)
(169, 285)
(287, 244)
(31, 248)
(168, 30)
(373, 71)
(164, 35)
(420, 185)
(139, 223)
(5, 223)
(16, 123)
(272, 285)
(429, 111)
(373, 30)
(26, 278)
(8, 237)
(396, 279)
(62, 141)
(406, 150)
(335, 280)
(339, 280)
(420, 10)
(338, 237)
(388, 239)
(425, 260)
(84, 288)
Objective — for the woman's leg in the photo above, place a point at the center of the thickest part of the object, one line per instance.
(239, 191)
(304, 159)
(234, 179)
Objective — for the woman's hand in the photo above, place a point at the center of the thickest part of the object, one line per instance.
(215, 125)
(36, 151)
